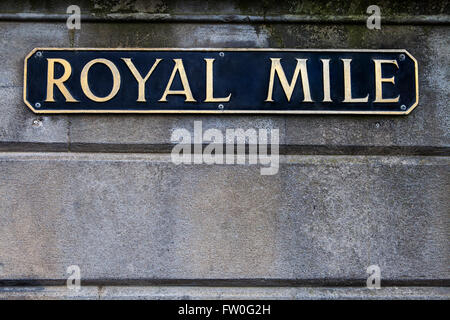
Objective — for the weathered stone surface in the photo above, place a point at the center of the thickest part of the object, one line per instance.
(18, 39)
(219, 293)
(48, 293)
(21, 129)
(18, 126)
(324, 8)
(138, 216)
(274, 293)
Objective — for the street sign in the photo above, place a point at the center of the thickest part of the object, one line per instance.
(274, 81)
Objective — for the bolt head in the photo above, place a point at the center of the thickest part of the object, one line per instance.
(402, 57)
(37, 123)
(37, 104)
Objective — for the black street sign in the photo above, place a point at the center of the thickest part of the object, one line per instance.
(275, 81)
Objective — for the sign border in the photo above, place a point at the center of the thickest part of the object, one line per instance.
(406, 112)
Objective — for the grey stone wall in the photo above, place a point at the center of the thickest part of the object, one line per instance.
(100, 191)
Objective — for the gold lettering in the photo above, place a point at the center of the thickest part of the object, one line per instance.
(348, 84)
(179, 67)
(51, 81)
(326, 80)
(85, 85)
(141, 81)
(379, 81)
(289, 87)
(210, 84)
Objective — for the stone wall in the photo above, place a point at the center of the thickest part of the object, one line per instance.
(100, 191)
